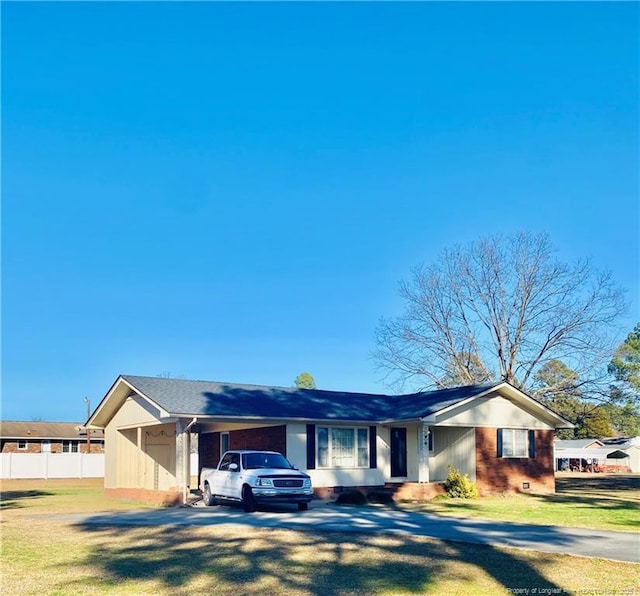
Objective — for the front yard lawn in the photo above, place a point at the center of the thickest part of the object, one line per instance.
(600, 502)
(43, 555)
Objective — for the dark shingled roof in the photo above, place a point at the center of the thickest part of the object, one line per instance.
(207, 398)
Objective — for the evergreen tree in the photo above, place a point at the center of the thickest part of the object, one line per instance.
(305, 381)
(625, 365)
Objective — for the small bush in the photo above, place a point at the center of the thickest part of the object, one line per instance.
(459, 486)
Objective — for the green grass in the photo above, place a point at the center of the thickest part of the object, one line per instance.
(41, 554)
(578, 502)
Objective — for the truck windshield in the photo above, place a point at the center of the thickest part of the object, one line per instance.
(251, 461)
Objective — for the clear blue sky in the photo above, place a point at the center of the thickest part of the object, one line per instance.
(232, 191)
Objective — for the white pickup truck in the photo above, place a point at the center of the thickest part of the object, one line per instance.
(255, 477)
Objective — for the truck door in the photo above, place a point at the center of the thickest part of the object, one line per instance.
(222, 476)
(234, 478)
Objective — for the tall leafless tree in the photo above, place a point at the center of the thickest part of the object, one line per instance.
(500, 308)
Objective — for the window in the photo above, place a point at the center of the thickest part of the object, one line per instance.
(70, 447)
(341, 447)
(224, 443)
(253, 461)
(22, 444)
(515, 442)
(228, 459)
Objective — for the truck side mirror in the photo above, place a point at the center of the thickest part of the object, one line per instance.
(233, 467)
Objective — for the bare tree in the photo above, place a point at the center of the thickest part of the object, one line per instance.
(500, 308)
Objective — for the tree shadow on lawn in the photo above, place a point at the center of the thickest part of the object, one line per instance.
(627, 504)
(598, 482)
(11, 499)
(283, 561)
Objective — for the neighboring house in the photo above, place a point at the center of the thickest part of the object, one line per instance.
(578, 443)
(498, 435)
(50, 450)
(598, 455)
(49, 437)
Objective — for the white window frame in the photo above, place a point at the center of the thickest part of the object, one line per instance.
(511, 447)
(224, 443)
(23, 444)
(70, 447)
(359, 443)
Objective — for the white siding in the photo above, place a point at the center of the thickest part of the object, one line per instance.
(297, 445)
(491, 412)
(453, 447)
(140, 453)
(136, 411)
(297, 454)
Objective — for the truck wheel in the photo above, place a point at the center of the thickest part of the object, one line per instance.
(248, 501)
(303, 506)
(208, 498)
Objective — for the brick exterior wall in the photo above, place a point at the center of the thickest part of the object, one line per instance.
(208, 450)
(271, 438)
(35, 446)
(414, 491)
(506, 475)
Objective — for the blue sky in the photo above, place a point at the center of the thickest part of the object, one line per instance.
(232, 191)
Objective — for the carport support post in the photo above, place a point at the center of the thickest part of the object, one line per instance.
(423, 452)
(182, 458)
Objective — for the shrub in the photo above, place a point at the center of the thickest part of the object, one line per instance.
(459, 486)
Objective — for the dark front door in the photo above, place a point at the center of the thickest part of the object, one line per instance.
(398, 452)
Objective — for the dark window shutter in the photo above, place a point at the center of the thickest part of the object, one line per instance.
(311, 446)
(532, 443)
(373, 455)
(499, 442)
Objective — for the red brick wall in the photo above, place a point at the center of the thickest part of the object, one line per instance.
(500, 474)
(12, 447)
(208, 450)
(272, 438)
(35, 446)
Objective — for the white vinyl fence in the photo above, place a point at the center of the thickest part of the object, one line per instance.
(51, 465)
(59, 465)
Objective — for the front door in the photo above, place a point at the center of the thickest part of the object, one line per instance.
(398, 452)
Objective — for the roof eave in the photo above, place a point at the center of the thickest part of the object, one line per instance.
(119, 391)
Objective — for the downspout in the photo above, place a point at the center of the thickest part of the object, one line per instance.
(186, 462)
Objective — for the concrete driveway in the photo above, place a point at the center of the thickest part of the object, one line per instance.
(616, 546)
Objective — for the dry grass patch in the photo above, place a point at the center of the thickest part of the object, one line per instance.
(41, 554)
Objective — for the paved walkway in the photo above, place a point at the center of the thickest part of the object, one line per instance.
(616, 546)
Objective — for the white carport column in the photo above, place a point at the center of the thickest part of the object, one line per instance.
(183, 459)
(423, 452)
